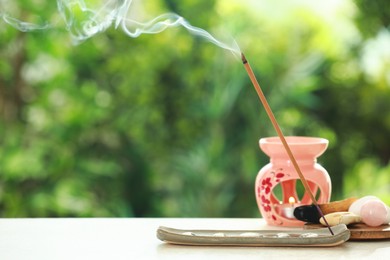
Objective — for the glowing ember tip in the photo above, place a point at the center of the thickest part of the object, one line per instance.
(243, 58)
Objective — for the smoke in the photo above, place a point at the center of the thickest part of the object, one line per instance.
(22, 26)
(83, 21)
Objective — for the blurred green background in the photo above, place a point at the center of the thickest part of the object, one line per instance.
(167, 125)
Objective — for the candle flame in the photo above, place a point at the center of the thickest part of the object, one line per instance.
(291, 200)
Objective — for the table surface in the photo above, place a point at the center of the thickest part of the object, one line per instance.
(135, 238)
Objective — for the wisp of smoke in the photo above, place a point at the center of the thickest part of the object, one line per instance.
(83, 22)
(22, 26)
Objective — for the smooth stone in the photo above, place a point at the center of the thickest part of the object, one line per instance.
(388, 215)
(374, 213)
(307, 213)
(357, 205)
(336, 218)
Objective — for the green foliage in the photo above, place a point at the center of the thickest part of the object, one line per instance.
(367, 174)
(168, 124)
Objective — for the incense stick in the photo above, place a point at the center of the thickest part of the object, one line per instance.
(281, 136)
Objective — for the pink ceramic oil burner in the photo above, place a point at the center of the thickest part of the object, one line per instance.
(278, 209)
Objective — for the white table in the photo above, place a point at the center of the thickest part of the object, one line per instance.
(135, 238)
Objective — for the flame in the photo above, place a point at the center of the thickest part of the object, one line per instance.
(291, 200)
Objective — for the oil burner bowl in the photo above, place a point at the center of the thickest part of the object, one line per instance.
(280, 175)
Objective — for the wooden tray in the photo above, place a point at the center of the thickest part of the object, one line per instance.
(362, 231)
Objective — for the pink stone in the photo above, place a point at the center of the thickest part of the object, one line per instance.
(373, 213)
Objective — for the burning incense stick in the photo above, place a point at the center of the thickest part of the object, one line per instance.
(280, 134)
